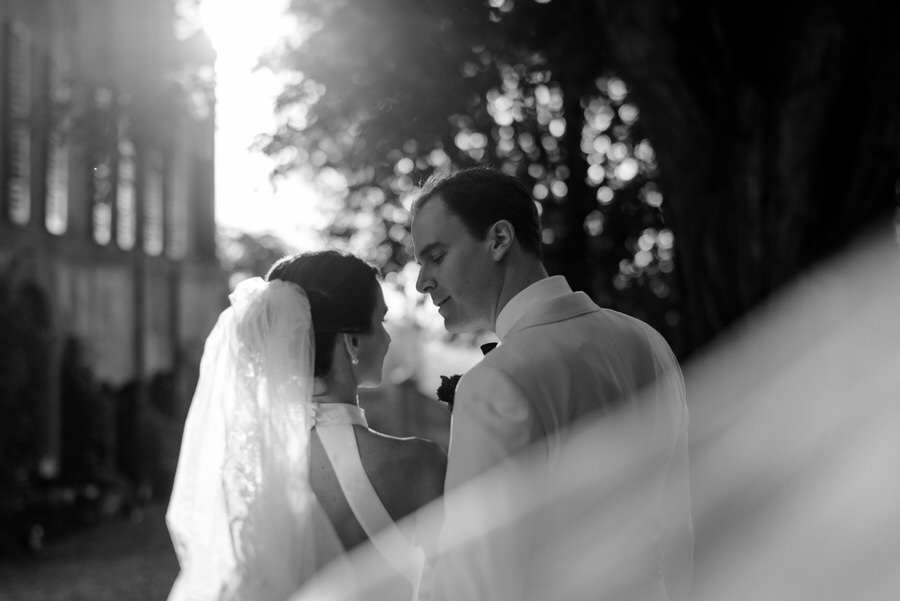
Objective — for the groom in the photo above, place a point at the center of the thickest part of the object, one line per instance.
(477, 237)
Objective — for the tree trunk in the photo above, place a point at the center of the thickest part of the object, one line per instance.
(774, 146)
(574, 71)
(579, 198)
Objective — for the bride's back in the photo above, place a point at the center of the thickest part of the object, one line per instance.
(407, 473)
(348, 312)
(288, 354)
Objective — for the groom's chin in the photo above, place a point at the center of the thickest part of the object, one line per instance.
(452, 326)
(457, 326)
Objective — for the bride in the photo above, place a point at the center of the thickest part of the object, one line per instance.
(279, 473)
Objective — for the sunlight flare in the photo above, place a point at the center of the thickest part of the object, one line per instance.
(247, 198)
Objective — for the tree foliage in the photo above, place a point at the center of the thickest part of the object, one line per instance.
(379, 95)
(246, 255)
(26, 337)
(777, 132)
(759, 137)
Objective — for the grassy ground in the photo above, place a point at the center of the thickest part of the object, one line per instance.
(121, 560)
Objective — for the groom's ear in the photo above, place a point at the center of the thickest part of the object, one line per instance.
(501, 236)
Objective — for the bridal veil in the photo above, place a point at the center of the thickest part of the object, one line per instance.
(243, 518)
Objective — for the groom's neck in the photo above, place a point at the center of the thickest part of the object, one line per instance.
(518, 276)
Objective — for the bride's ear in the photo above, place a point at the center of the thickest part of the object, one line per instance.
(351, 343)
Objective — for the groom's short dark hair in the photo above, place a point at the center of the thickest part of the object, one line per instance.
(480, 197)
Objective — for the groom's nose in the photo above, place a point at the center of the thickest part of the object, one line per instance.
(424, 282)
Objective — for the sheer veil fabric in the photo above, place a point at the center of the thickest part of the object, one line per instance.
(794, 455)
(243, 518)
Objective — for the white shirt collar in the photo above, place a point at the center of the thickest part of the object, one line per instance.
(522, 302)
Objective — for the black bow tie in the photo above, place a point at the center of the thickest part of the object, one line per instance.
(488, 347)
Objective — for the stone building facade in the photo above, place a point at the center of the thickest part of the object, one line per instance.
(107, 223)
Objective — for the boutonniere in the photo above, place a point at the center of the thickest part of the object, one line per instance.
(447, 390)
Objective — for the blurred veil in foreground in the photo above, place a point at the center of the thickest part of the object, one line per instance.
(795, 464)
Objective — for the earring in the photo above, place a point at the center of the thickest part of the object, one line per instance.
(354, 361)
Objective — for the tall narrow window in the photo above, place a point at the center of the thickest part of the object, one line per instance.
(126, 226)
(153, 203)
(18, 182)
(57, 202)
(57, 219)
(17, 69)
(102, 165)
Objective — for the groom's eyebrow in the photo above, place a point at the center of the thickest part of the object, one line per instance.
(428, 248)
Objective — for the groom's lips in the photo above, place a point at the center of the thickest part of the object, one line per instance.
(440, 304)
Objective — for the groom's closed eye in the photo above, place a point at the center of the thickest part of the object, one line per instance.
(435, 259)
(430, 252)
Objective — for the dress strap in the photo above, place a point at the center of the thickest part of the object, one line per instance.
(332, 414)
(339, 442)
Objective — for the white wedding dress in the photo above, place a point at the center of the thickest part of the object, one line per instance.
(244, 520)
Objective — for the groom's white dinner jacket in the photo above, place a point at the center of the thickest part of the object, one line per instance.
(561, 357)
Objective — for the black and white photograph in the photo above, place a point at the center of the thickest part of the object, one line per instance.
(449, 300)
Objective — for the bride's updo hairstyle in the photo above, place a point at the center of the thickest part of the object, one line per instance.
(342, 294)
